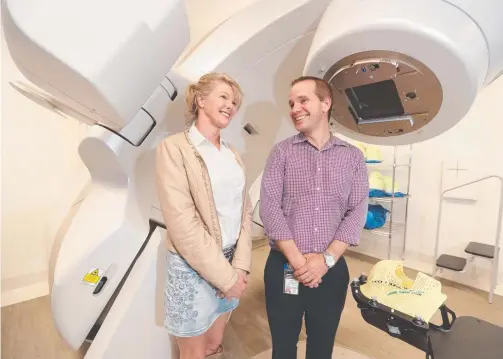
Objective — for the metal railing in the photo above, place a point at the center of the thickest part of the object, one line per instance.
(495, 259)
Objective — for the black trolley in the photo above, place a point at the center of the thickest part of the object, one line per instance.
(455, 338)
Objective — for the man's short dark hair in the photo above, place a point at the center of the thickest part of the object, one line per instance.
(322, 89)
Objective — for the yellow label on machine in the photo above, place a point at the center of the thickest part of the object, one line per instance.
(93, 276)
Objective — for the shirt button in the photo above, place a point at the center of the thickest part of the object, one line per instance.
(317, 208)
(319, 169)
(315, 228)
(317, 188)
(315, 249)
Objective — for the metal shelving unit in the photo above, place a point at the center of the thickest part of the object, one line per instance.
(392, 226)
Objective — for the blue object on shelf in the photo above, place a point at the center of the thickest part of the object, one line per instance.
(373, 161)
(381, 193)
(376, 216)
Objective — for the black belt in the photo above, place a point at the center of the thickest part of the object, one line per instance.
(229, 252)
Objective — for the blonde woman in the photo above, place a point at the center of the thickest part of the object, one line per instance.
(202, 192)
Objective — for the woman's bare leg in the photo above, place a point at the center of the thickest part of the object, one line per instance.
(207, 344)
(192, 348)
(214, 336)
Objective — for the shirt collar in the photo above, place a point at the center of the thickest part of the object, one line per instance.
(198, 139)
(334, 141)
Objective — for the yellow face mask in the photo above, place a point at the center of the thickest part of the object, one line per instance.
(389, 284)
(388, 185)
(373, 154)
(376, 181)
(370, 152)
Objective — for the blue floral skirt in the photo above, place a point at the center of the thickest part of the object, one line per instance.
(191, 304)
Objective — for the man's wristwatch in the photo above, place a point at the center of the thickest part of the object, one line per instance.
(329, 260)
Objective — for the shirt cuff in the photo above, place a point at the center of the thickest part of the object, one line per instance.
(352, 242)
(280, 236)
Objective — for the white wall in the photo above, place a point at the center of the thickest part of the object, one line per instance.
(474, 144)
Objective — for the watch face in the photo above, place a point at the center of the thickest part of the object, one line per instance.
(329, 260)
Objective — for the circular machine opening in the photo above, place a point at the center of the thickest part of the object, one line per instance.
(383, 93)
(339, 352)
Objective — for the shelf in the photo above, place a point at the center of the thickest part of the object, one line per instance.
(385, 230)
(385, 165)
(450, 262)
(391, 228)
(480, 250)
(388, 199)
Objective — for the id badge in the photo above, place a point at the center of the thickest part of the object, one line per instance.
(290, 283)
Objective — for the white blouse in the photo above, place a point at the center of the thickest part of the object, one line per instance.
(227, 181)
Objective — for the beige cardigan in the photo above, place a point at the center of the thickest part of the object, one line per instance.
(188, 209)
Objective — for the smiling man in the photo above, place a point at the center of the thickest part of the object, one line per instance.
(313, 204)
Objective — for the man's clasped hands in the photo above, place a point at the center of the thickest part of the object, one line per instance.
(311, 270)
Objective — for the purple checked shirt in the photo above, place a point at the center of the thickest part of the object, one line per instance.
(314, 197)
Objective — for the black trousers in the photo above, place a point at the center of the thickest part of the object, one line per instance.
(321, 308)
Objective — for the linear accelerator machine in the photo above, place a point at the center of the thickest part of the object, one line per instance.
(402, 72)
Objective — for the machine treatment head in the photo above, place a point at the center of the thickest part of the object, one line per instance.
(399, 71)
(383, 93)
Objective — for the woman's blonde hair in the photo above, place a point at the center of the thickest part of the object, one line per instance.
(203, 87)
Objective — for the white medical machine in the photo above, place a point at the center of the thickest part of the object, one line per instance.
(402, 72)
